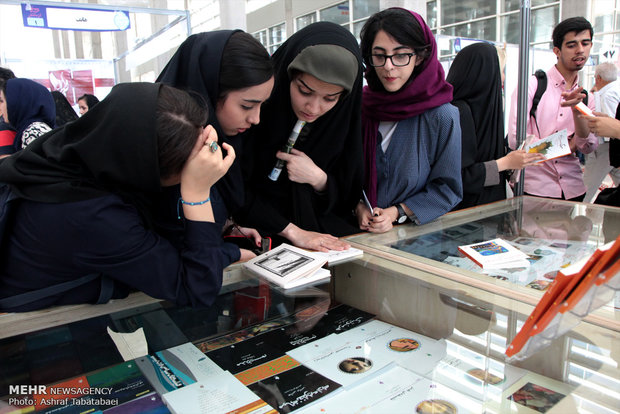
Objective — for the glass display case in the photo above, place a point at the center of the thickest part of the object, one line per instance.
(400, 329)
(553, 233)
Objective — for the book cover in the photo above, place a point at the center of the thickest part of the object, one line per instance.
(124, 382)
(284, 264)
(176, 367)
(223, 393)
(246, 354)
(553, 146)
(495, 254)
(293, 389)
(340, 256)
(353, 356)
(397, 390)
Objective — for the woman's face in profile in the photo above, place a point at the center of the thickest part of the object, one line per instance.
(3, 111)
(312, 98)
(83, 106)
(240, 109)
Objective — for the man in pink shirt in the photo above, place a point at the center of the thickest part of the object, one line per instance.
(560, 177)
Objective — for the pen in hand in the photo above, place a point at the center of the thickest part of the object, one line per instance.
(368, 204)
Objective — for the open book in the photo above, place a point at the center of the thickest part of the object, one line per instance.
(495, 254)
(289, 266)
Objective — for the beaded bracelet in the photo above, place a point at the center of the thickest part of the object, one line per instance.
(190, 203)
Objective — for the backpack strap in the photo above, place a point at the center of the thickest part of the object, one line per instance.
(35, 295)
(541, 77)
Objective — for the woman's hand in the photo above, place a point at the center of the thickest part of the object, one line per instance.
(383, 219)
(312, 240)
(518, 159)
(248, 233)
(603, 125)
(301, 169)
(204, 166)
(364, 217)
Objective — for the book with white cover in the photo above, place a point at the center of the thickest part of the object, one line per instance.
(288, 266)
(222, 393)
(495, 254)
(552, 146)
(339, 256)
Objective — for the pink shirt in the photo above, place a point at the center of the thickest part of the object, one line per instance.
(560, 175)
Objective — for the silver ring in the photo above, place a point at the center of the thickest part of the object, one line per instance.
(213, 146)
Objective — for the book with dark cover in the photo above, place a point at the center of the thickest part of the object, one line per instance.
(245, 354)
(293, 389)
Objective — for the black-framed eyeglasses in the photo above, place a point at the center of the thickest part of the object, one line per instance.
(398, 59)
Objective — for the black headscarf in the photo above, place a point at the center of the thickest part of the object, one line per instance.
(333, 141)
(64, 111)
(105, 151)
(476, 78)
(28, 102)
(195, 66)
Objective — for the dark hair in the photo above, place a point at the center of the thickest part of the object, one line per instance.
(91, 100)
(403, 27)
(6, 74)
(180, 118)
(64, 112)
(245, 63)
(572, 24)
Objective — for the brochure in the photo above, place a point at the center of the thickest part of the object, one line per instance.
(495, 254)
(553, 146)
(288, 266)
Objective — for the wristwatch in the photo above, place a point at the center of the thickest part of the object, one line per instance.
(402, 216)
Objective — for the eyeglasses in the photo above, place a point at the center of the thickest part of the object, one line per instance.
(398, 59)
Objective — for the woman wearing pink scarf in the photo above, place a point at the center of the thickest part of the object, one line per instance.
(412, 135)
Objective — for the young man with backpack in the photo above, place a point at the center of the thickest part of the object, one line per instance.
(560, 178)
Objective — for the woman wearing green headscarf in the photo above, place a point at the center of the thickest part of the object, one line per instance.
(308, 199)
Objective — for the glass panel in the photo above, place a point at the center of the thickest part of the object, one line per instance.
(431, 14)
(603, 15)
(261, 37)
(306, 20)
(453, 11)
(364, 8)
(542, 24)
(337, 14)
(357, 29)
(512, 5)
(510, 28)
(483, 30)
(276, 34)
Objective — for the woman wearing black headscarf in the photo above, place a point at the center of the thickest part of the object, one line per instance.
(318, 81)
(233, 73)
(475, 75)
(29, 108)
(85, 204)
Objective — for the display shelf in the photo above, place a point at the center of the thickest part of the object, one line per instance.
(554, 233)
